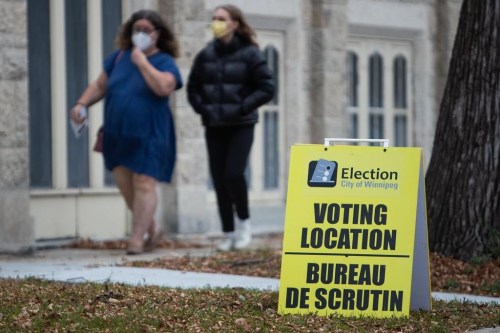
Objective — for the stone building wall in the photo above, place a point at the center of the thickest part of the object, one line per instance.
(315, 35)
(184, 201)
(316, 42)
(16, 226)
(325, 24)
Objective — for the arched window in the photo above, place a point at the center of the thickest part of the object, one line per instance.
(376, 97)
(352, 93)
(376, 80)
(46, 101)
(399, 72)
(352, 78)
(272, 58)
(271, 125)
(379, 90)
(400, 101)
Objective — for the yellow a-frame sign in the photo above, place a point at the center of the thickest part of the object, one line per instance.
(355, 238)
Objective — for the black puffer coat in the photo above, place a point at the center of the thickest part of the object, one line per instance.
(228, 82)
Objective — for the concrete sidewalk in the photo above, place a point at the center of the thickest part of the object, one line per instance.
(100, 266)
(87, 265)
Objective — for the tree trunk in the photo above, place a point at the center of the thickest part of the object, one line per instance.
(463, 178)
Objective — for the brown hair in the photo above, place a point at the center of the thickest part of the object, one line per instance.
(244, 30)
(166, 39)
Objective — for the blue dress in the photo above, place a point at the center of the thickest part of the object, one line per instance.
(138, 125)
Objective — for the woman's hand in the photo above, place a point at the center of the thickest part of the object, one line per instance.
(78, 113)
(162, 83)
(92, 94)
(138, 57)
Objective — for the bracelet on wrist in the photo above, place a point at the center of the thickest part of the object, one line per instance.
(80, 103)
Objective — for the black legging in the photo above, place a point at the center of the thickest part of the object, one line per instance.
(228, 150)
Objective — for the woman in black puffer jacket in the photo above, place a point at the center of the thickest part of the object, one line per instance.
(229, 80)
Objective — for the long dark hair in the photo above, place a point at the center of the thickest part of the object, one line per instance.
(244, 30)
(166, 39)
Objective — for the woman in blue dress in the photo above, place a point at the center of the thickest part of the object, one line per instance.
(139, 136)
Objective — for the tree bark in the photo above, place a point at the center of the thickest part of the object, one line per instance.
(463, 178)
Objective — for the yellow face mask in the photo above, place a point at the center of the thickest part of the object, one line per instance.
(219, 28)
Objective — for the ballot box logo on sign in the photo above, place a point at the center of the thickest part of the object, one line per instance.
(322, 173)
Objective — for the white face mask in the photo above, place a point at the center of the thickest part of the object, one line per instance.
(142, 40)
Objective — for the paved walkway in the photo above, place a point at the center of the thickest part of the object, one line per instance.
(83, 265)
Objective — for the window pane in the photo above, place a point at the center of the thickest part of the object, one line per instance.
(111, 20)
(273, 62)
(39, 94)
(399, 71)
(248, 173)
(271, 153)
(352, 77)
(353, 126)
(376, 80)
(400, 130)
(76, 82)
(376, 126)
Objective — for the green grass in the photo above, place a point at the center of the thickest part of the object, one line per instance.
(451, 284)
(40, 306)
(493, 288)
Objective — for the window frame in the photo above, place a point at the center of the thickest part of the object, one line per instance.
(362, 117)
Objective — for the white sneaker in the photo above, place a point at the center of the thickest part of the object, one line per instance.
(227, 244)
(244, 235)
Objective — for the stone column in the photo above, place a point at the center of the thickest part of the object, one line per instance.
(185, 200)
(16, 225)
(325, 23)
